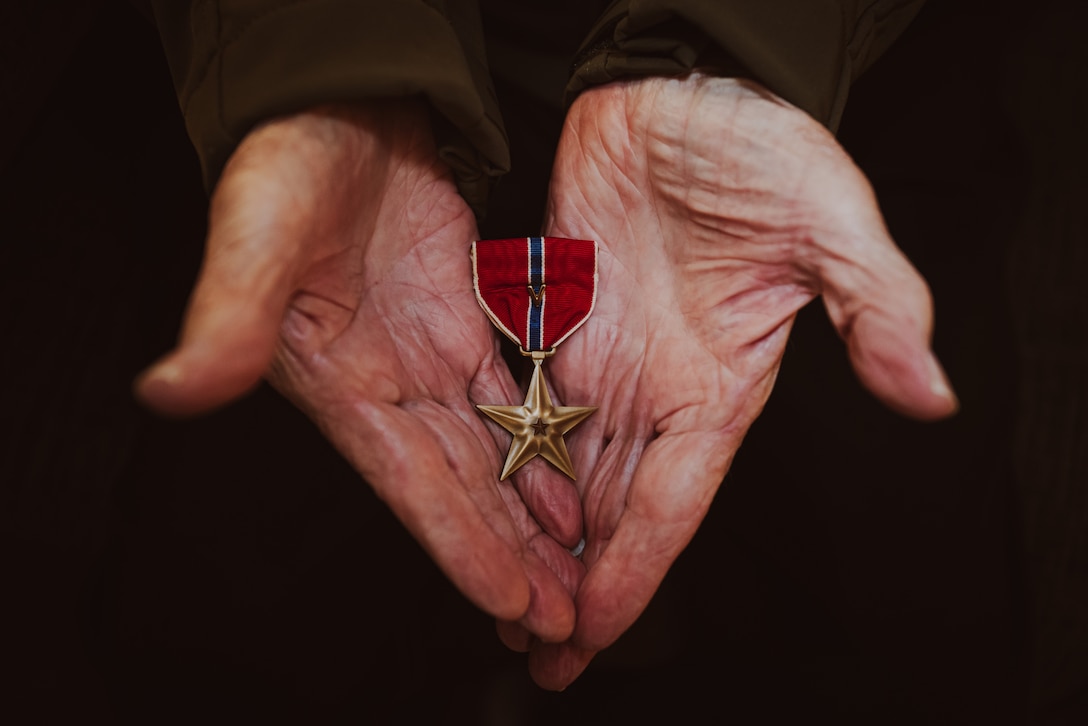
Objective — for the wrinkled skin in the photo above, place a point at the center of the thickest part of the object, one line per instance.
(337, 265)
(720, 211)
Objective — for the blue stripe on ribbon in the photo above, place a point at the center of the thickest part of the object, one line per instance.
(536, 280)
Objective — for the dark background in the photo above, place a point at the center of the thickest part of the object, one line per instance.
(855, 568)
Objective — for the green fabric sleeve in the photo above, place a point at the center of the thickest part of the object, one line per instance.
(238, 62)
(807, 51)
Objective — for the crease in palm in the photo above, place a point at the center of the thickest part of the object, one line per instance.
(337, 269)
(415, 329)
(718, 211)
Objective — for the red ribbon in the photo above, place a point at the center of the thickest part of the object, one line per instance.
(536, 290)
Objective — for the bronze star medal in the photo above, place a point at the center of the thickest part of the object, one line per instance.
(537, 291)
(538, 427)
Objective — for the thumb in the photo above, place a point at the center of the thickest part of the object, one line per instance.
(883, 310)
(232, 323)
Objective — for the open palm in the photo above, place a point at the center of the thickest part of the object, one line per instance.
(720, 211)
(337, 267)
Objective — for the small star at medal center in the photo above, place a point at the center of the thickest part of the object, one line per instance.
(540, 427)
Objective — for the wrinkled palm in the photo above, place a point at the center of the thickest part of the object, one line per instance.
(337, 265)
(720, 211)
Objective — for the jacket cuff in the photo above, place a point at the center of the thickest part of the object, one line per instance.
(806, 52)
(618, 47)
(234, 70)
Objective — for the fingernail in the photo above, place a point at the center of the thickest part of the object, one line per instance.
(577, 551)
(169, 373)
(938, 381)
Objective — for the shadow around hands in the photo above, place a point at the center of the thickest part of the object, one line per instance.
(720, 211)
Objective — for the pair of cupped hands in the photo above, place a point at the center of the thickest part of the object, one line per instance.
(337, 267)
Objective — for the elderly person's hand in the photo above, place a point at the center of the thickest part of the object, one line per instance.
(337, 267)
(720, 211)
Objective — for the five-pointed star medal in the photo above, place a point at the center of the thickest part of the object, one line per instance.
(538, 427)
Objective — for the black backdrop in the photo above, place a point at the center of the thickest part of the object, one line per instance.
(854, 568)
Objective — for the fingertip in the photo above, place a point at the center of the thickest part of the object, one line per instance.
(941, 388)
(553, 501)
(515, 604)
(911, 383)
(183, 384)
(554, 666)
(594, 634)
(157, 386)
(153, 383)
(550, 615)
(891, 355)
(514, 636)
(503, 590)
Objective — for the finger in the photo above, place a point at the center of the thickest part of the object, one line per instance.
(433, 465)
(883, 310)
(554, 577)
(552, 499)
(514, 636)
(548, 495)
(411, 472)
(554, 666)
(668, 498)
(232, 323)
(550, 616)
(554, 506)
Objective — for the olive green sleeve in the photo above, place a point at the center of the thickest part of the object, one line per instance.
(238, 62)
(807, 51)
